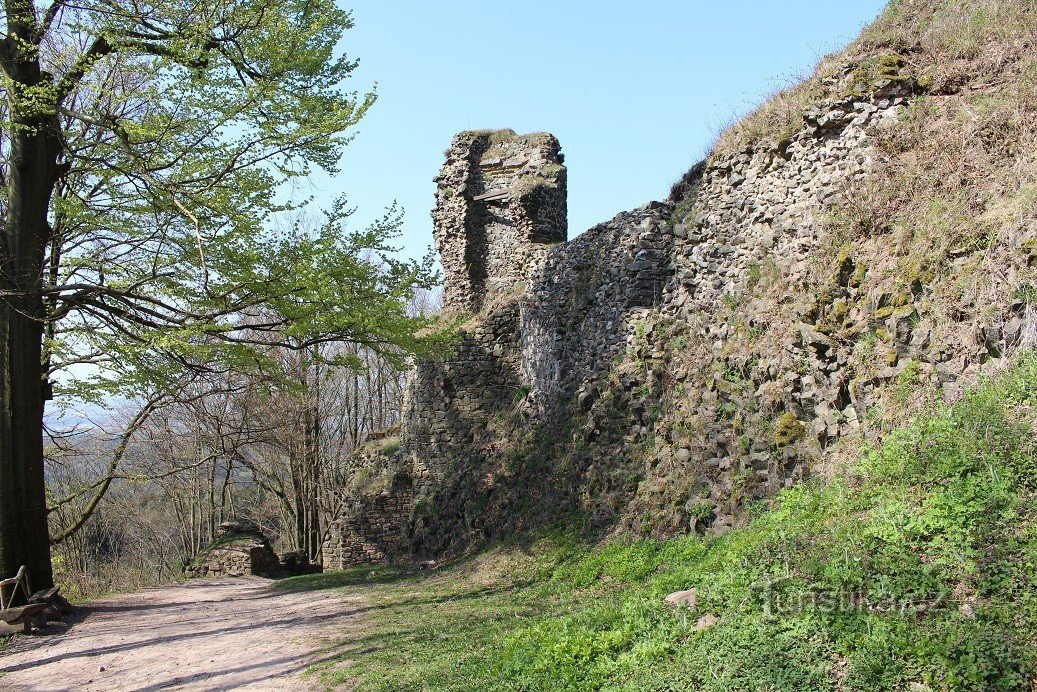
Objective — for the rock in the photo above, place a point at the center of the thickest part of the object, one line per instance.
(686, 599)
(1013, 331)
(705, 622)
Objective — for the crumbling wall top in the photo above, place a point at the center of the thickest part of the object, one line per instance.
(500, 202)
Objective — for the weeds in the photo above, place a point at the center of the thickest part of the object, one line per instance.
(916, 570)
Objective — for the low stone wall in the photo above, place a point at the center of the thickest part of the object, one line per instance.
(236, 559)
(237, 549)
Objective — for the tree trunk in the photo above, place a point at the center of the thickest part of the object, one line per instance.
(24, 537)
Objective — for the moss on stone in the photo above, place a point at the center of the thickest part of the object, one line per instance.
(883, 313)
(538, 138)
(494, 136)
(788, 430)
(860, 272)
(840, 310)
(899, 300)
(528, 183)
(872, 70)
(550, 169)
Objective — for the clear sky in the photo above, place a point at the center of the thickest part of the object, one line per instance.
(634, 91)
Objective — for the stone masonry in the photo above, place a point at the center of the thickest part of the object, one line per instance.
(372, 532)
(687, 357)
(500, 203)
(238, 549)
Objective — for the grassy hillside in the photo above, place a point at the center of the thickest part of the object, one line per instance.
(949, 47)
(924, 278)
(917, 571)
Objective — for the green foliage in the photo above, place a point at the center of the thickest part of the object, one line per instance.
(1025, 293)
(788, 429)
(871, 70)
(180, 127)
(754, 275)
(908, 379)
(921, 568)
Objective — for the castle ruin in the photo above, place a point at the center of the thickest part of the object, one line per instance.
(500, 203)
(653, 372)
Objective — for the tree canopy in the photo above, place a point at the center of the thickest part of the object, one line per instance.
(146, 147)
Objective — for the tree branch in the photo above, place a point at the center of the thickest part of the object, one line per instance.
(48, 19)
(71, 79)
(117, 455)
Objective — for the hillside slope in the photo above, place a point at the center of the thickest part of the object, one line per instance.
(862, 246)
(917, 571)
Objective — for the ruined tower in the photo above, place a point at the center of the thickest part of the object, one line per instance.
(500, 203)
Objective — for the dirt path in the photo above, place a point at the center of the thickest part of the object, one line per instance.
(226, 634)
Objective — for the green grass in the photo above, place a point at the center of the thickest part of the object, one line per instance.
(919, 569)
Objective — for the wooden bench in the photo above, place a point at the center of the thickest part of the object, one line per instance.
(56, 604)
(45, 595)
(25, 619)
(42, 606)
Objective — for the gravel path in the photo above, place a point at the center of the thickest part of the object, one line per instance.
(225, 634)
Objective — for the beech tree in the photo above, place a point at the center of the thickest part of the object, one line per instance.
(145, 146)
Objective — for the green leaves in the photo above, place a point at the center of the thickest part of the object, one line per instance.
(182, 126)
(266, 290)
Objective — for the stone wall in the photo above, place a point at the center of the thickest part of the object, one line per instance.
(451, 401)
(583, 299)
(373, 532)
(769, 202)
(238, 549)
(500, 203)
(371, 526)
(666, 368)
(235, 561)
(727, 392)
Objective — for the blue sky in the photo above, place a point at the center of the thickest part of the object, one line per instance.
(635, 92)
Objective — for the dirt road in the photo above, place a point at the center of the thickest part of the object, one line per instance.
(226, 634)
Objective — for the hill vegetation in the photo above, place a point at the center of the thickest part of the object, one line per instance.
(907, 559)
(917, 571)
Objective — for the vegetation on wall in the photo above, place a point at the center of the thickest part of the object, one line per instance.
(943, 47)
